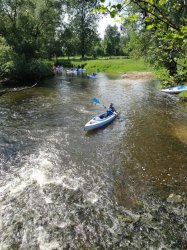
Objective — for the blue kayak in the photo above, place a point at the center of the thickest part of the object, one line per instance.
(93, 76)
(99, 121)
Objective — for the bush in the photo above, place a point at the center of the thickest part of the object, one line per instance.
(41, 68)
(165, 78)
(64, 63)
(35, 69)
(6, 59)
(183, 96)
(14, 66)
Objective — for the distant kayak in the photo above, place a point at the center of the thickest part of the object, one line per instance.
(99, 121)
(75, 71)
(175, 90)
(93, 76)
(69, 71)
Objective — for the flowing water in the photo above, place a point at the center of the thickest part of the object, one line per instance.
(62, 188)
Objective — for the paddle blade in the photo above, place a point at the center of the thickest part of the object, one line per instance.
(96, 100)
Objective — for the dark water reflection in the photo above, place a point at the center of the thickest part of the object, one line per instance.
(51, 169)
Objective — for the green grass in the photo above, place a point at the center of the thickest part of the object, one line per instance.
(115, 66)
(183, 95)
(111, 66)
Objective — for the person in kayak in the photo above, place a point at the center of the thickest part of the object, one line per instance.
(110, 111)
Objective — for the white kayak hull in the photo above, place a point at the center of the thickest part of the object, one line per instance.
(98, 122)
(175, 90)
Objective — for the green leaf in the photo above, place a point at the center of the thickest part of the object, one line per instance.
(184, 29)
(119, 6)
(134, 17)
(150, 26)
(113, 13)
(161, 2)
(103, 9)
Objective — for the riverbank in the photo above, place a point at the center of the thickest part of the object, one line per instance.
(138, 75)
(113, 66)
(183, 96)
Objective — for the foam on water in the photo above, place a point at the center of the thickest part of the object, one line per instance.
(92, 197)
(43, 238)
(40, 174)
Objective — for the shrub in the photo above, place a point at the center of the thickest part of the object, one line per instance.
(32, 70)
(6, 59)
(183, 95)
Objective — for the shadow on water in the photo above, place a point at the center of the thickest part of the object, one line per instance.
(63, 188)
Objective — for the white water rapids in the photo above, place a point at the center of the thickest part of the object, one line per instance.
(62, 188)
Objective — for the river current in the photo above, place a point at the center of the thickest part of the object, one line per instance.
(63, 188)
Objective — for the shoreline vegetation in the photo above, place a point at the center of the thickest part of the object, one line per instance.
(115, 66)
(126, 68)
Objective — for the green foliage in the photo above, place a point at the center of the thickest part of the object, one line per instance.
(27, 25)
(158, 32)
(16, 66)
(165, 77)
(113, 66)
(183, 95)
(97, 49)
(112, 41)
(29, 28)
(65, 63)
(6, 58)
(32, 70)
(82, 27)
(40, 69)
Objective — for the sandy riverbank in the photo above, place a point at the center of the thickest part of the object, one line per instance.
(138, 75)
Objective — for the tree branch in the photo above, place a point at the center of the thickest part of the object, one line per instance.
(163, 18)
(16, 89)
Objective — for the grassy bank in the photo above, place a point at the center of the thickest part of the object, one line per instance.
(183, 96)
(110, 65)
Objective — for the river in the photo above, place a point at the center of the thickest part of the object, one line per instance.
(63, 188)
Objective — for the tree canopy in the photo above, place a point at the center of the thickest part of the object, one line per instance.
(112, 40)
(32, 30)
(161, 31)
(83, 25)
(29, 28)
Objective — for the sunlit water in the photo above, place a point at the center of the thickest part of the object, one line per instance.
(62, 188)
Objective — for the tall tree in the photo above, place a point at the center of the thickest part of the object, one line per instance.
(68, 41)
(29, 29)
(112, 40)
(83, 24)
(27, 25)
